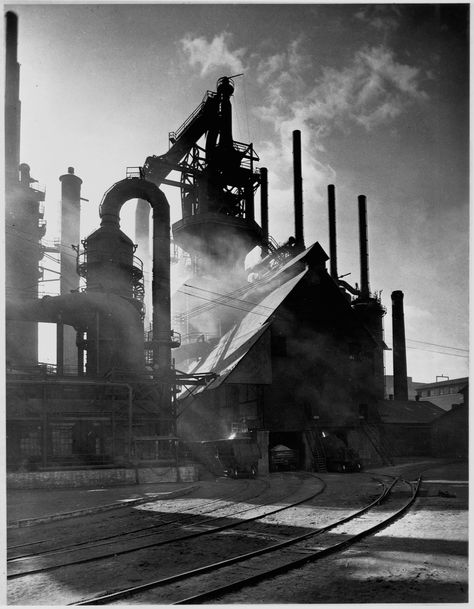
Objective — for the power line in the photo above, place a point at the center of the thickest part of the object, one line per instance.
(421, 342)
(228, 305)
(214, 302)
(228, 296)
(439, 352)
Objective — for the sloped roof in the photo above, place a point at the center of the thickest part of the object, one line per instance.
(409, 411)
(237, 342)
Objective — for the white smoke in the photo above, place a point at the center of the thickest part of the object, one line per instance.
(214, 54)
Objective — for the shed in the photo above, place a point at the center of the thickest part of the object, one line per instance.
(407, 426)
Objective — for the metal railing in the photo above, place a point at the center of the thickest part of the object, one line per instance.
(175, 135)
(134, 172)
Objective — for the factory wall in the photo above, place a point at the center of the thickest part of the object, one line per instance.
(313, 368)
(322, 360)
(450, 433)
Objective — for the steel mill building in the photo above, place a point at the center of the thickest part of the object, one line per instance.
(283, 355)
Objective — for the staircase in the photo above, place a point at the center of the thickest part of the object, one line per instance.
(379, 443)
(319, 456)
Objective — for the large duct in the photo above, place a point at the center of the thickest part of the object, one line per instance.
(400, 382)
(12, 98)
(298, 190)
(264, 207)
(116, 196)
(332, 231)
(364, 252)
(83, 310)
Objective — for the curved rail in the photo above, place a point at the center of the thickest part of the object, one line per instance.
(122, 594)
(317, 555)
(107, 538)
(193, 535)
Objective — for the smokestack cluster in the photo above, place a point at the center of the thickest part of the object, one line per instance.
(400, 382)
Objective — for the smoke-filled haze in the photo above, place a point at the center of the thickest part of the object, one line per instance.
(379, 92)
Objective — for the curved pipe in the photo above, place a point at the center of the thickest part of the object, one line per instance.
(114, 198)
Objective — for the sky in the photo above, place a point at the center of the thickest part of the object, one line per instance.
(380, 93)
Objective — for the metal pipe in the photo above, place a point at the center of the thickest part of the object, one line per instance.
(60, 347)
(298, 189)
(264, 207)
(364, 252)
(400, 382)
(80, 353)
(332, 231)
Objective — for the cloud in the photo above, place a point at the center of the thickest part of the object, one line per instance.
(371, 91)
(382, 18)
(214, 54)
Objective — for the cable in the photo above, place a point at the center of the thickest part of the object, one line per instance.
(422, 342)
(38, 243)
(228, 296)
(247, 287)
(439, 352)
(228, 305)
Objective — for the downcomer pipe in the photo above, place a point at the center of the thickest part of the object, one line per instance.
(115, 197)
(332, 231)
(264, 207)
(298, 189)
(400, 382)
(364, 252)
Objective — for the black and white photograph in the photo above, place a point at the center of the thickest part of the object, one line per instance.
(236, 305)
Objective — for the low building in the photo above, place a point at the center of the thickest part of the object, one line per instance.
(407, 426)
(450, 432)
(412, 385)
(443, 393)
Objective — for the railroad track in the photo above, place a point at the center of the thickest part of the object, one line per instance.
(34, 563)
(215, 580)
(185, 515)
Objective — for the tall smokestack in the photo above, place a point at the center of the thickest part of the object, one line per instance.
(332, 231)
(264, 205)
(67, 353)
(298, 189)
(12, 98)
(364, 252)
(70, 228)
(400, 382)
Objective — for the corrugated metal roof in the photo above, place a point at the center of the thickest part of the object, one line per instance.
(236, 343)
(401, 411)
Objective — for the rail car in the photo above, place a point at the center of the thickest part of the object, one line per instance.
(235, 458)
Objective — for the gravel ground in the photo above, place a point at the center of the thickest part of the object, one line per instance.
(420, 558)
